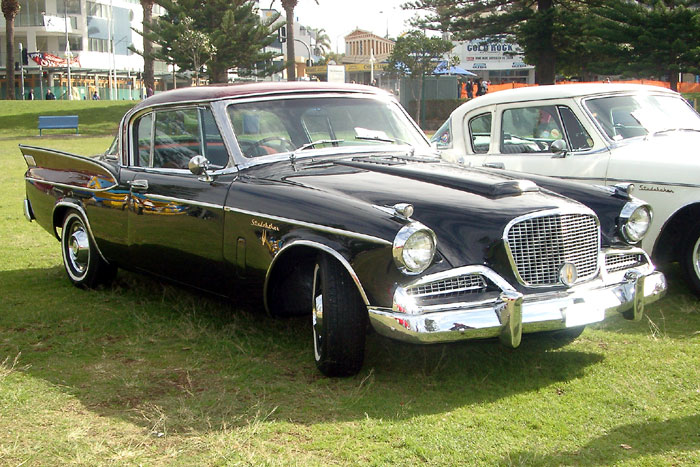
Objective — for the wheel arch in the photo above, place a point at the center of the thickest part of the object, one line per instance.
(302, 252)
(666, 249)
(59, 213)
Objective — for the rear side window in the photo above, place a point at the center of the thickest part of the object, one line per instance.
(443, 137)
(579, 139)
(480, 133)
(168, 139)
(530, 129)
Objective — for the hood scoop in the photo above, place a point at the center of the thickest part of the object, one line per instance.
(479, 182)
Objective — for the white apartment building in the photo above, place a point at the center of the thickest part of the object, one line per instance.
(90, 26)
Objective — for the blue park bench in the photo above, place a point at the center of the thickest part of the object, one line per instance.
(58, 122)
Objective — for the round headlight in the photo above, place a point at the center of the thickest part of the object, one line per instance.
(414, 248)
(636, 218)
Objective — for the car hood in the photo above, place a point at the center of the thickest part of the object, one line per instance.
(669, 157)
(468, 209)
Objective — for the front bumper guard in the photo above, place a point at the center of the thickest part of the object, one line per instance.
(513, 313)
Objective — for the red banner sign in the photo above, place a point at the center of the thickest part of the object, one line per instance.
(49, 60)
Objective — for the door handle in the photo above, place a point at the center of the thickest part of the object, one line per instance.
(139, 185)
(495, 165)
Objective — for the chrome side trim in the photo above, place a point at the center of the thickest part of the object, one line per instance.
(325, 249)
(65, 185)
(82, 212)
(184, 201)
(322, 228)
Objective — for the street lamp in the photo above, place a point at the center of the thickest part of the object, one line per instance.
(68, 54)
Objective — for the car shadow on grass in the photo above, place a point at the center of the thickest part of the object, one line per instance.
(163, 358)
(677, 315)
(625, 443)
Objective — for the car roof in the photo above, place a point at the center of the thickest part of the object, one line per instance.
(560, 91)
(224, 91)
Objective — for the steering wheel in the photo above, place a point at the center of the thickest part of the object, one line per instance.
(284, 142)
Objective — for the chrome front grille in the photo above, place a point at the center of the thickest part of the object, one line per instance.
(449, 287)
(539, 245)
(618, 262)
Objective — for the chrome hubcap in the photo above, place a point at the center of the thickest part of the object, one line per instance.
(317, 313)
(696, 257)
(79, 249)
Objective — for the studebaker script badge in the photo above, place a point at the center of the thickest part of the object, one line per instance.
(264, 225)
(568, 274)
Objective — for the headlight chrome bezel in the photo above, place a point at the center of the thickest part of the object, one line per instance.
(627, 213)
(402, 237)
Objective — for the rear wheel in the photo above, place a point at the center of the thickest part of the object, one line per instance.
(83, 264)
(339, 319)
(690, 259)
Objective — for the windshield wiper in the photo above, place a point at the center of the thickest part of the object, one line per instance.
(335, 142)
(383, 139)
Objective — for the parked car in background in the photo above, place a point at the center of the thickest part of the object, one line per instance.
(327, 200)
(607, 134)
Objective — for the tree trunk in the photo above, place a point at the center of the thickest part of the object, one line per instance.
(217, 74)
(291, 61)
(419, 101)
(10, 54)
(148, 74)
(673, 79)
(545, 71)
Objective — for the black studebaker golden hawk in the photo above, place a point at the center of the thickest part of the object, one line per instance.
(327, 200)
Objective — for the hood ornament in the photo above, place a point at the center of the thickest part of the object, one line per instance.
(403, 210)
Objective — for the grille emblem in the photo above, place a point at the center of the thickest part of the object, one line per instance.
(568, 274)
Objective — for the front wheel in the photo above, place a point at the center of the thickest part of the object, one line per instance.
(339, 319)
(85, 267)
(690, 259)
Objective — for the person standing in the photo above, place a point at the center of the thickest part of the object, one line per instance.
(470, 89)
(50, 96)
(30, 96)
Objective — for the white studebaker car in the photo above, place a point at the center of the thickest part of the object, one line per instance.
(603, 134)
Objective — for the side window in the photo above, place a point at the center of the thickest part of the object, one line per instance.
(579, 139)
(176, 138)
(143, 141)
(214, 148)
(530, 129)
(480, 133)
(443, 137)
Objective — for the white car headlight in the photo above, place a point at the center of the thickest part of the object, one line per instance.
(635, 220)
(414, 248)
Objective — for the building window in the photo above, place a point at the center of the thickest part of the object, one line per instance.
(99, 10)
(98, 45)
(72, 6)
(31, 13)
(75, 42)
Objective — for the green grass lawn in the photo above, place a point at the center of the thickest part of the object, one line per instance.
(144, 373)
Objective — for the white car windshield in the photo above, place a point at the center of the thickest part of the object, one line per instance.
(623, 117)
(294, 124)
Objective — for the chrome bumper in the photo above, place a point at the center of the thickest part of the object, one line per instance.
(513, 314)
(28, 213)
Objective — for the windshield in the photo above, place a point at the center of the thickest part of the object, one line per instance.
(623, 117)
(285, 125)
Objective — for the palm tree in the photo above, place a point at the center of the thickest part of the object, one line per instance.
(289, 6)
(148, 77)
(323, 42)
(10, 8)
